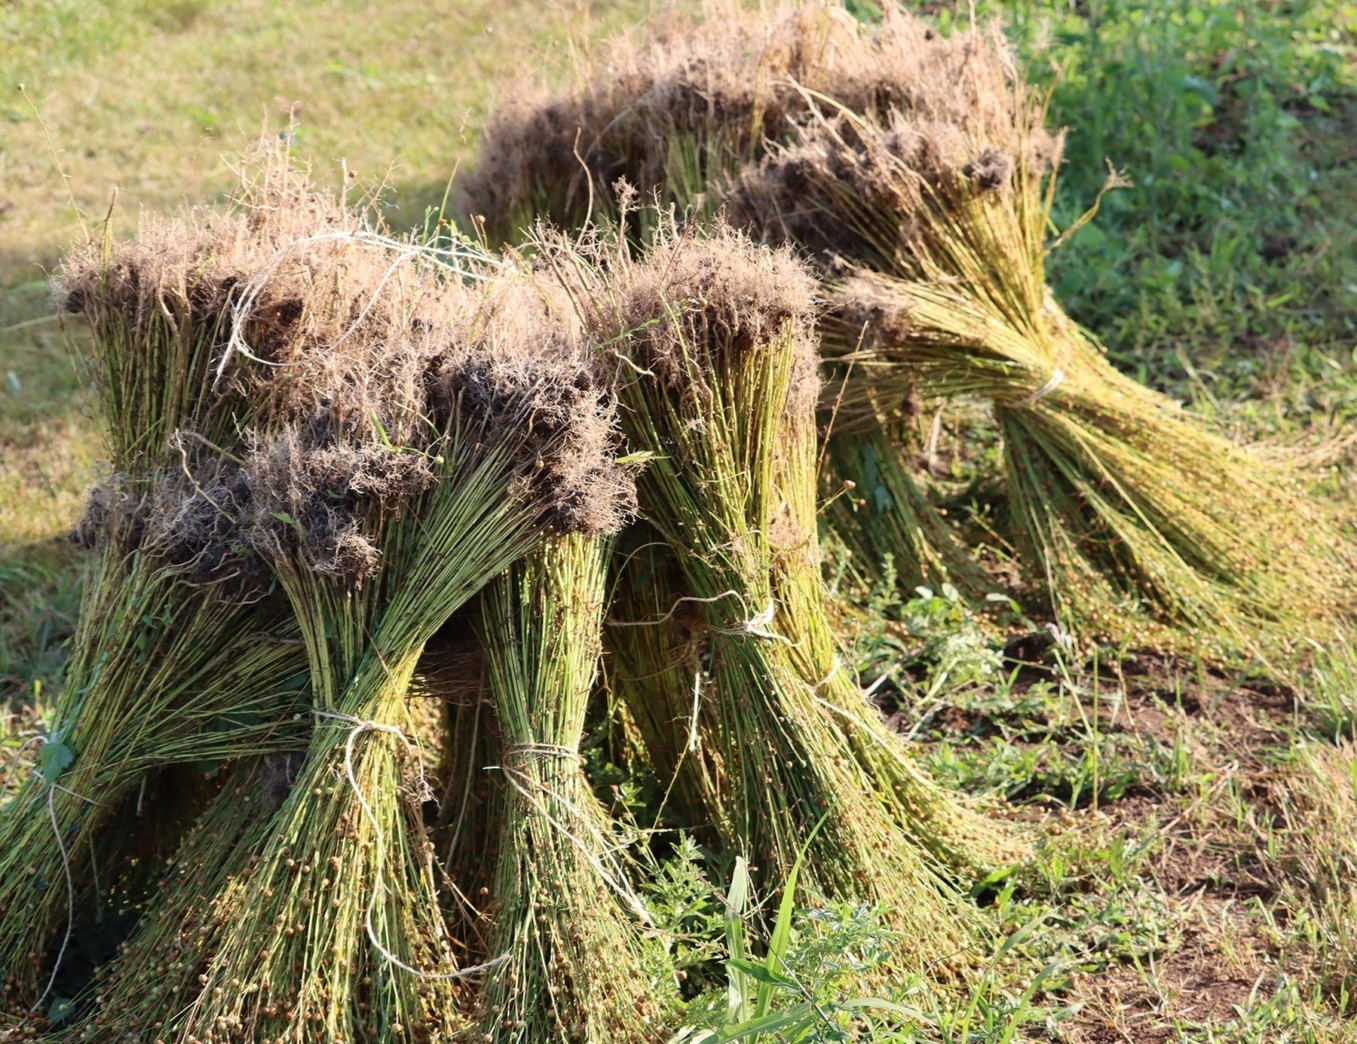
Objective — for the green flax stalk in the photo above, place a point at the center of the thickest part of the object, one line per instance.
(717, 343)
(332, 913)
(654, 643)
(1136, 519)
(877, 506)
(164, 667)
(968, 841)
(579, 966)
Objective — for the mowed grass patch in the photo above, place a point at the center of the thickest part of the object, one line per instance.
(149, 96)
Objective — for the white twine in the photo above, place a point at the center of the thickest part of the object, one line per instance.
(834, 668)
(361, 726)
(673, 609)
(542, 750)
(693, 741)
(52, 788)
(758, 625)
(865, 723)
(70, 894)
(628, 897)
(1053, 382)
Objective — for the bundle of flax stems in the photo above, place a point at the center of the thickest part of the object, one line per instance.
(681, 108)
(680, 105)
(654, 649)
(580, 966)
(174, 660)
(470, 796)
(1136, 520)
(917, 163)
(458, 426)
(717, 378)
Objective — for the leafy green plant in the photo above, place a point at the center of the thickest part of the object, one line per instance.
(804, 988)
(1226, 237)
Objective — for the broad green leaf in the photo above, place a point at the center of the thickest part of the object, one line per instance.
(761, 973)
(782, 930)
(53, 759)
(794, 1019)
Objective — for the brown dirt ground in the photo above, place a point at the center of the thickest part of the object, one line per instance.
(1220, 955)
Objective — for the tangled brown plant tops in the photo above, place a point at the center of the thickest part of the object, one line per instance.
(203, 317)
(317, 364)
(728, 95)
(827, 189)
(697, 291)
(316, 488)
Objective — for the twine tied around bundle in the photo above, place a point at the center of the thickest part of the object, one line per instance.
(759, 625)
(360, 726)
(52, 786)
(1053, 382)
(541, 750)
(614, 877)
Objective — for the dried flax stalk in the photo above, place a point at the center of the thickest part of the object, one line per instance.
(435, 439)
(1136, 520)
(165, 667)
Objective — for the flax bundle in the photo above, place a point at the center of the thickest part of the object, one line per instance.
(173, 660)
(579, 965)
(717, 379)
(1137, 521)
(445, 427)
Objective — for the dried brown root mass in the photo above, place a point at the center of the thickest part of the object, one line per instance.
(676, 107)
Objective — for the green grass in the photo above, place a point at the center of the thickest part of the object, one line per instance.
(1233, 120)
(1201, 886)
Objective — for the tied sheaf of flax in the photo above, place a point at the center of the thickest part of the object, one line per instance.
(684, 113)
(918, 164)
(166, 666)
(680, 106)
(584, 953)
(718, 386)
(429, 430)
(943, 263)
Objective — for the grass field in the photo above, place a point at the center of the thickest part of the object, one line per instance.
(1203, 885)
